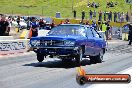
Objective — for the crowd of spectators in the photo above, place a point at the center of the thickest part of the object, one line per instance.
(32, 23)
(106, 16)
(97, 4)
(111, 4)
(93, 4)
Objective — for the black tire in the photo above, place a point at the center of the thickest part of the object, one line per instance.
(40, 57)
(92, 59)
(98, 58)
(79, 56)
(66, 60)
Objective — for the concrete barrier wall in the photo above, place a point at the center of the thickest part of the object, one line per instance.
(13, 46)
(6, 38)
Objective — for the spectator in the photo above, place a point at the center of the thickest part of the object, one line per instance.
(100, 15)
(28, 23)
(34, 27)
(74, 14)
(83, 15)
(93, 4)
(119, 17)
(115, 17)
(90, 14)
(110, 4)
(9, 26)
(127, 17)
(97, 5)
(99, 25)
(105, 16)
(53, 24)
(122, 17)
(67, 21)
(94, 14)
(61, 22)
(48, 26)
(110, 16)
(41, 24)
(104, 28)
(89, 4)
(87, 23)
(107, 30)
(110, 33)
(4, 26)
(18, 21)
(130, 34)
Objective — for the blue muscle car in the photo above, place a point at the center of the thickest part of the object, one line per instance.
(70, 41)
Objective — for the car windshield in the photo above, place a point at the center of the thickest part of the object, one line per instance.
(67, 30)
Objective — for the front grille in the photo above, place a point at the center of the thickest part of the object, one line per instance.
(51, 42)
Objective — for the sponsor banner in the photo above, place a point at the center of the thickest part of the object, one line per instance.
(6, 38)
(77, 21)
(13, 46)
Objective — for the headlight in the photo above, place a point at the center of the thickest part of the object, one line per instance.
(35, 42)
(69, 43)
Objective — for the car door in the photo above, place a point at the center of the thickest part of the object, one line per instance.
(98, 42)
(89, 48)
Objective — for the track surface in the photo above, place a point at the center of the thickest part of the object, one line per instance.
(24, 71)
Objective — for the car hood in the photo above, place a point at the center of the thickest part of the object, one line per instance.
(58, 37)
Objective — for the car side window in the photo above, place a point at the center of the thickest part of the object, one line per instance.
(95, 34)
(82, 31)
(89, 32)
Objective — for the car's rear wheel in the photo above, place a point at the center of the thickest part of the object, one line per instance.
(98, 58)
(79, 56)
(40, 57)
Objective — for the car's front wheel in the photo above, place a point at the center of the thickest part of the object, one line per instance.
(40, 57)
(79, 56)
(98, 58)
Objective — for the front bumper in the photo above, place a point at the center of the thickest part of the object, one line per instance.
(57, 50)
